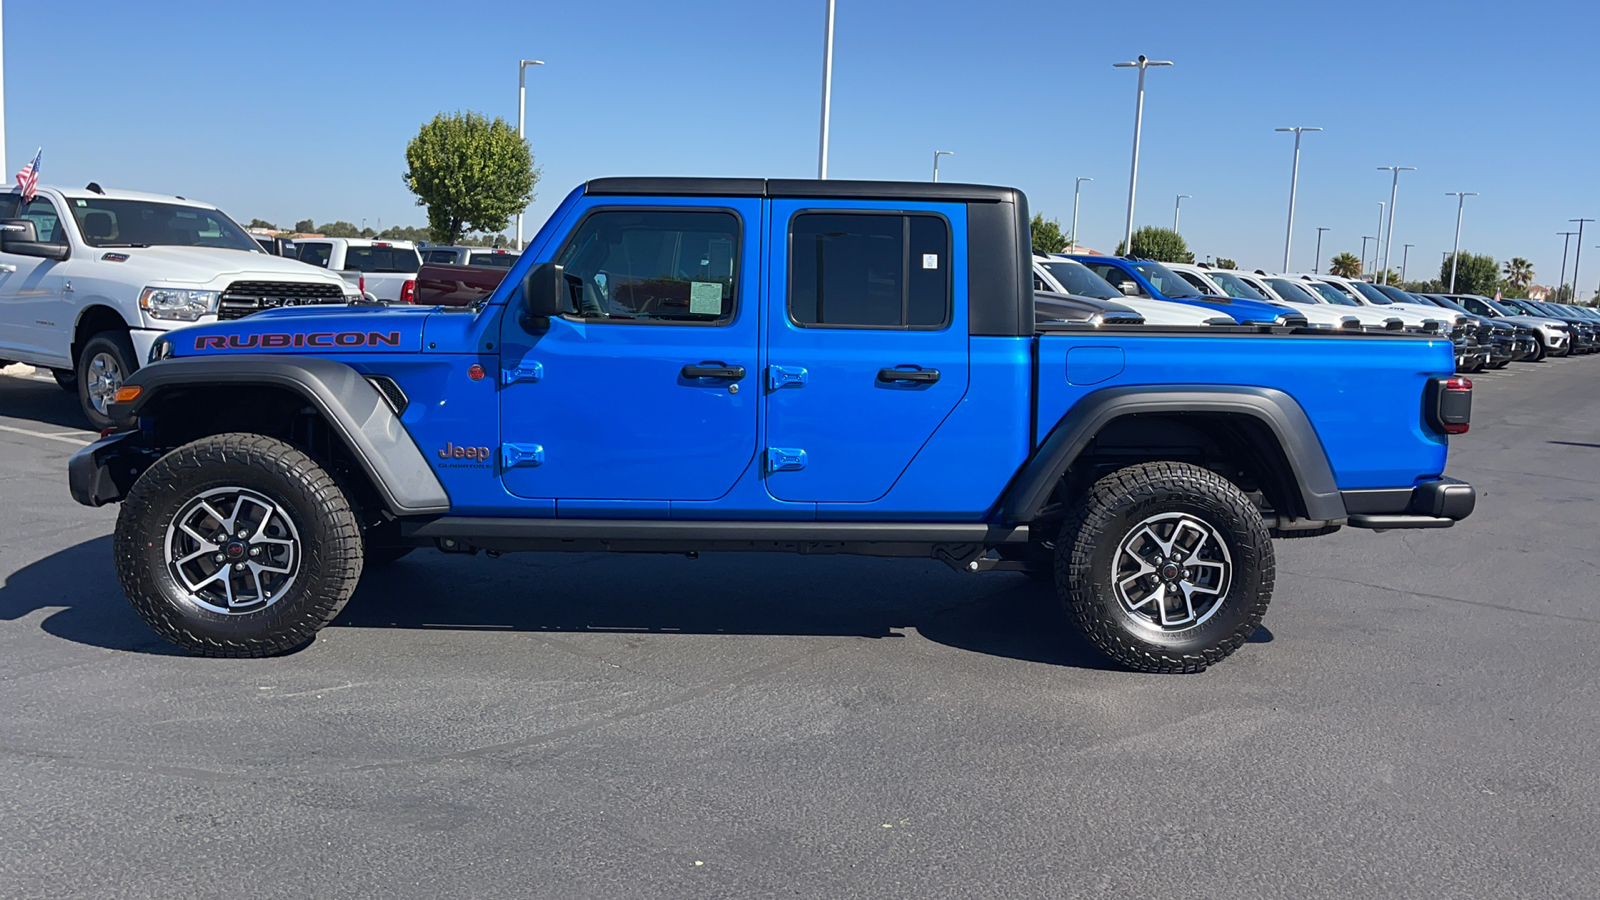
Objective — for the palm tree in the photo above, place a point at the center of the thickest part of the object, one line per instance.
(1519, 273)
(1346, 265)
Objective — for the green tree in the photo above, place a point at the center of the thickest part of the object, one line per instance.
(471, 173)
(261, 223)
(1477, 273)
(1519, 274)
(1345, 265)
(1047, 236)
(1562, 294)
(1225, 263)
(339, 229)
(1159, 244)
(404, 233)
(305, 226)
(1423, 287)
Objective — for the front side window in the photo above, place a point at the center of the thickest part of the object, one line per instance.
(1237, 287)
(1372, 294)
(1078, 279)
(107, 222)
(1291, 292)
(41, 212)
(1196, 282)
(1331, 293)
(658, 265)
(1165, 280)
(868, 270)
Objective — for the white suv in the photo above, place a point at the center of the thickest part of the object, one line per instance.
(1226, 283)
(90, 278)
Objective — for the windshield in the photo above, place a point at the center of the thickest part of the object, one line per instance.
(1447, 303)
(1372, 294)
(1331, 293)
(1077, 279)
(1235, 287)
(1165, 280)
(498, 260)
(147, 223)
(1399, 296)
(1290, 291)
(381, 259)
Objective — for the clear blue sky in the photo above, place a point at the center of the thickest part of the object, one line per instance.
(291, 109)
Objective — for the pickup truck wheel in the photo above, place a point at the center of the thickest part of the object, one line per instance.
(237, 545)
(106, 361)
(67, 378)
(1165, 567)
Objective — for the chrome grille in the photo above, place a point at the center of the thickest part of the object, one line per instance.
(245, 297)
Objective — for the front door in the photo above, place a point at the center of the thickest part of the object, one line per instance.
(866, 342)
(35, 319)
(647, 388)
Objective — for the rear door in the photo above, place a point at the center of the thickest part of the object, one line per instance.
(866, 342)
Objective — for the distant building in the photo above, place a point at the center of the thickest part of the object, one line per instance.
(1538, 293)
(1079, 248)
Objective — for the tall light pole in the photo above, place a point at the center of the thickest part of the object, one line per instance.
(936, 155)
(1138, 124)
(1381, 207)
(1566, 238)
(1455, 255)
(1175, 208)
(1316, 264)
(522, 115)
(3, 168)
(827, 92)
(1077, 186)
(1405, 255)
(1364, 239)
(1394, 189)
(1294, 181)
(1578, 259)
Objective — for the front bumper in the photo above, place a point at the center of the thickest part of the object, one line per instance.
(1432, 504)
(103, 472)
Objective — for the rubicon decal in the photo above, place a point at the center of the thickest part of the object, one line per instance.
(299, 339)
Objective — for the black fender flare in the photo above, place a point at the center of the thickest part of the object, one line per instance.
(370, 429)
(1279, 412)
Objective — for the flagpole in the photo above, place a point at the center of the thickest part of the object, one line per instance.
(3, 168)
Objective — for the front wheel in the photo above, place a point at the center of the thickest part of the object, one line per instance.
(106, 361)
(1165, 567)
(67, 379)
(237, 545)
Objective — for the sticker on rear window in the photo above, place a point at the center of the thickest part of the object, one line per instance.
(930, 260)
(705, 298)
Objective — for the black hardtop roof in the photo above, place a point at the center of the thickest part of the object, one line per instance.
(798, 187)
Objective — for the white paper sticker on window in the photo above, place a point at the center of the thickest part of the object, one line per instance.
(930, 260)
(705, 298)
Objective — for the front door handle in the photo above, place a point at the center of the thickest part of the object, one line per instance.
(908, 376)
(713, 370)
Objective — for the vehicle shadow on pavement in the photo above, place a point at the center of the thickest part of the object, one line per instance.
(40, 401)
(1004, 615)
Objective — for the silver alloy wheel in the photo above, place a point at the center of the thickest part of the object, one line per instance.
(1172, 572)
(105, 377)
(233, 551)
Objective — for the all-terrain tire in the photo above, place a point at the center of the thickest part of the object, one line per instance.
(329, 551)
(114, 350)
(1113, 512)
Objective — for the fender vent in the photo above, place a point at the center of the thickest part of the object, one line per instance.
(391, 392)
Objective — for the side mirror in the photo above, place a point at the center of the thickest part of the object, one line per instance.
(542, 291)
(1130, 289)
(21, 236)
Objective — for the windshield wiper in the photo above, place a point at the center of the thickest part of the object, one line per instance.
(122, 245)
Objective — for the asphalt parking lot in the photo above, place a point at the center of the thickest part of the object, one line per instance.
(1418, 718)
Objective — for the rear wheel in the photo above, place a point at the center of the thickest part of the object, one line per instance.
(1165, 567)
(237, 545)
(106, 361)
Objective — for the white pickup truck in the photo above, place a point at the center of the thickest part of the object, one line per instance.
(381, 270)
(90, 278)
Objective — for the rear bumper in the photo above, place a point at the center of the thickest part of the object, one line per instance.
(1432, 504)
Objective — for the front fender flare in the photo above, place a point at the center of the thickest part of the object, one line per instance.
(370, 429)
(1279, 412)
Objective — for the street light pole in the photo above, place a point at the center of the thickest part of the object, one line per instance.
(522, 115)
(1142, 63)
(1578, 259)
(1077, 186)
(1381, 206)
(936, 155)
(1394, 189)
(1405, 255)
(1294, 181)
(1316, 264)
(827, 93)
(1175, 206)
(1455, 255)
(1566, 239)
(3, 168)
(1364, 239)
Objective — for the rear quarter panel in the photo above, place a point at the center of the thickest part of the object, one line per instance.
(1364, 395)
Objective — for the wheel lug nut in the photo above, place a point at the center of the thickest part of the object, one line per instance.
(256, 551)
(218, 557)
(238, 567)
(242, 534)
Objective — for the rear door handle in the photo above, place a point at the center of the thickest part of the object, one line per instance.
(713, 370)
(909, 376)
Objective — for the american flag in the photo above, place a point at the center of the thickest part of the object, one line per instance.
(28, 178)
(1497, 296)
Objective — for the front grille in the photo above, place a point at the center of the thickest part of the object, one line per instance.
(245, 297)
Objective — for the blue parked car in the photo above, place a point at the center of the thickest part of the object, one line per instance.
(1139, 277)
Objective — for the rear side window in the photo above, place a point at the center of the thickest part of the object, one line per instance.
(446, 257)
(381, 259)
(867, 270)
(653, 266)
(315, 254)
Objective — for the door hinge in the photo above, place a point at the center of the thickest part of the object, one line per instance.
(513, 456)
(785, 376)
(785, 459)
(527, 370)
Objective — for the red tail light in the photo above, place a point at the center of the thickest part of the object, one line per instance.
(408, 292)
(361, 284)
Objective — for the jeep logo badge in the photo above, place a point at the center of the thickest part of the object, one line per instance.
(456, 451)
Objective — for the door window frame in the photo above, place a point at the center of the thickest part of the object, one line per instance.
(949, 268)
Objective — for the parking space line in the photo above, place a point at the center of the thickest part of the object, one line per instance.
(49, 437)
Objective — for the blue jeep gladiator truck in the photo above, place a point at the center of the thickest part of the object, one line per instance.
(688, 365)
